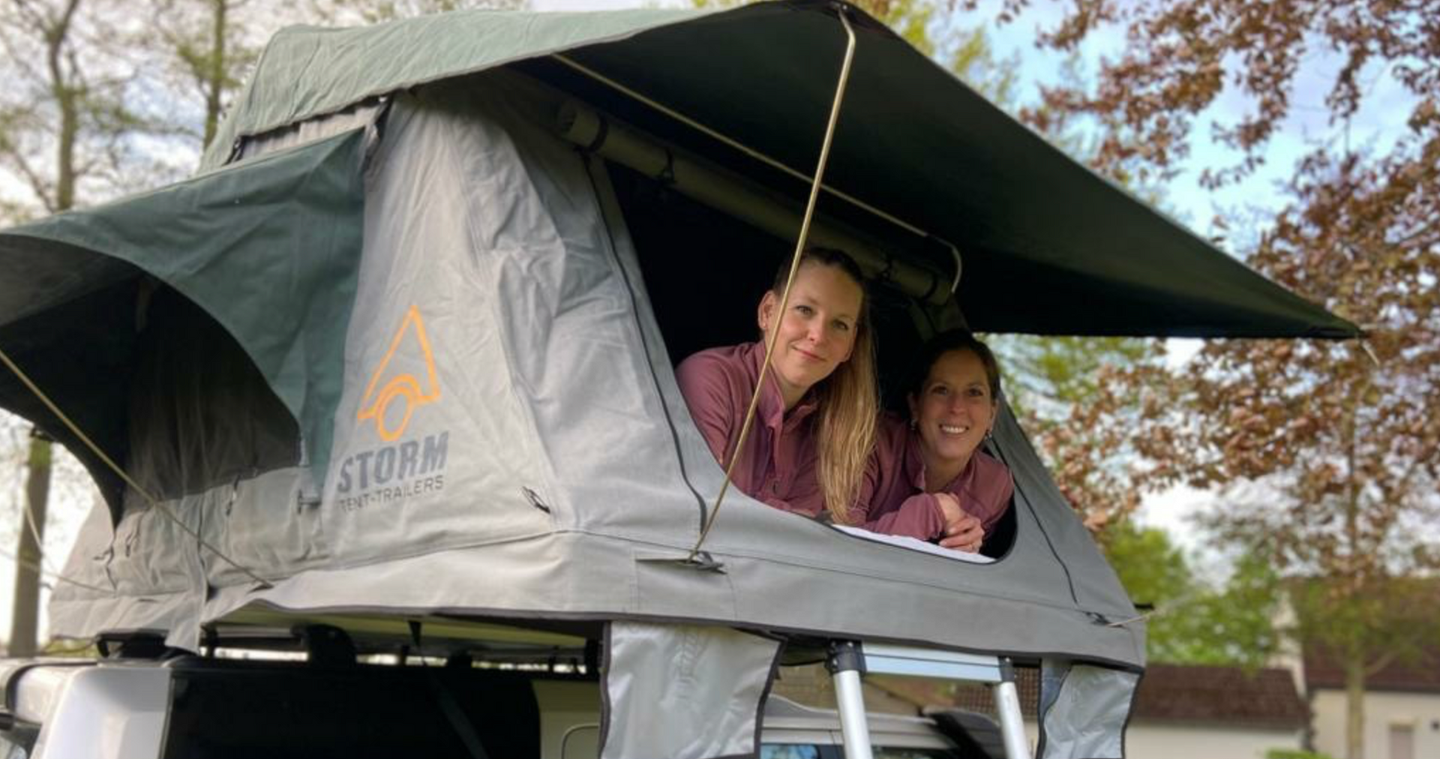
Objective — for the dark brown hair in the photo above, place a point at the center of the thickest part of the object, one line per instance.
(955, 340)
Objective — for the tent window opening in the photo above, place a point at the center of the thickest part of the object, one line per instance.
(705, 273)
(151, 378)
(201, 414)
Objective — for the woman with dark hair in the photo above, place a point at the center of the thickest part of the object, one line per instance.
(814, 428)
(929, 479)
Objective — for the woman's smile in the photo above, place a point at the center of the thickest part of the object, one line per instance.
(817, 329)
(953, 412)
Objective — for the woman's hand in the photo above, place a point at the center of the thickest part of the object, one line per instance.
(962, 531)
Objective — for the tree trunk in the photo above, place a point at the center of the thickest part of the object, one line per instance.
(1354, 706)
(67, 98)
(25, 622)
(215, 78)
(25, 617)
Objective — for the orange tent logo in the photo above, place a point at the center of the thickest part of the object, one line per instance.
(375, 405)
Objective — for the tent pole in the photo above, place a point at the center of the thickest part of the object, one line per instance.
(733, 196)
(846, 662)
(1012, 723)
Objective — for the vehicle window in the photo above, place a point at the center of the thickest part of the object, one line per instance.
(16, 744)
(789, 751)
(882, 752)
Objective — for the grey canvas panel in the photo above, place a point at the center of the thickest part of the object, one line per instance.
(913, 140)
(1045, 516)
(578, 576)
(433, 445)
(1084, 710)
(364, 115)
(143, 574)
(683, 691)
(264, 523)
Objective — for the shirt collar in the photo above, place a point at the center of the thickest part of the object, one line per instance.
(772, 402)
(915, 463)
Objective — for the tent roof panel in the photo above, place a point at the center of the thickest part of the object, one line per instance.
(1085, 256)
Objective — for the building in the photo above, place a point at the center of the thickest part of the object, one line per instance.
(1402, 707)
(1180, 711)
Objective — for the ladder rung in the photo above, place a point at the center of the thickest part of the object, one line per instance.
(921, 662)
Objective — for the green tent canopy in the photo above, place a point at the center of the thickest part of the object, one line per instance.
(1049, 247)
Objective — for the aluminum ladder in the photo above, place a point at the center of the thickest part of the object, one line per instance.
(848, 660)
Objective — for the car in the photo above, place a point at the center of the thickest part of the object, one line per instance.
(145, 700)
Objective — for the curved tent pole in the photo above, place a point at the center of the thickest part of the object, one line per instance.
(789, 280)
(716, 188)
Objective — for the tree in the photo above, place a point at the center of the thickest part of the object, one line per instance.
(1335, 443)
(208, 46)
(1194, 622)
(55, 98)
(1078, 397)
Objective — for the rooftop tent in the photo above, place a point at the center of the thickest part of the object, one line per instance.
(506, 402)
(469, 325)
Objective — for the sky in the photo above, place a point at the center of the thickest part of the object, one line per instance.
(1184, 199)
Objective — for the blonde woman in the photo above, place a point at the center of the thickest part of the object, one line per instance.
(815, 424)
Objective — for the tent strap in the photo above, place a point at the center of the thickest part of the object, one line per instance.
(800, 243)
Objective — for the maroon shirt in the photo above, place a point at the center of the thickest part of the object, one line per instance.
(895, 483)
(778, 463)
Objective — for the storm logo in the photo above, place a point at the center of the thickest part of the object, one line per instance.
(406, 388)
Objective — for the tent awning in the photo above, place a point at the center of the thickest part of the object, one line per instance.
(269, 248)
(1049, 246)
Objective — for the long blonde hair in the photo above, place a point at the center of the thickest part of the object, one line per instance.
(848, 400)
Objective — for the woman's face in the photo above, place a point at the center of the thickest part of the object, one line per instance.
(954, 410)
(816, 332)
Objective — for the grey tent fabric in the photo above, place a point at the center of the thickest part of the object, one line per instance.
(684, 692)
(1084, 710)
